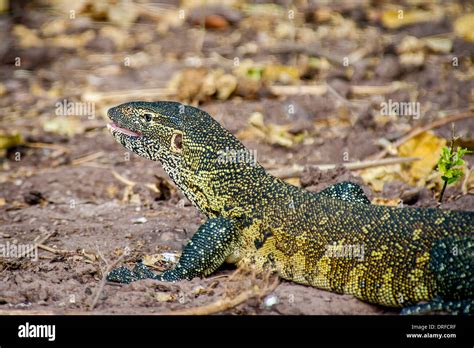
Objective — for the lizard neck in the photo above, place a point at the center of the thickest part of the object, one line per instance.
(217, 192)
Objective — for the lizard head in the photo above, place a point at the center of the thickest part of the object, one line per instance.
(189, 143)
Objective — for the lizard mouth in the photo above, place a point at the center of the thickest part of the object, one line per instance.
(113, 127)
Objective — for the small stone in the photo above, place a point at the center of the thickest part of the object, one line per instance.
(270, 301)
(33, 197)
(170, 257)
(139, 220)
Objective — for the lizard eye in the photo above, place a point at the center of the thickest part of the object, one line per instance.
(177, 142)
(148, 117)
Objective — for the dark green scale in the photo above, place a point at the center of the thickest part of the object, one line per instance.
(335, 239)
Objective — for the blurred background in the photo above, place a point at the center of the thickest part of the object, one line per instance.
(323, 91)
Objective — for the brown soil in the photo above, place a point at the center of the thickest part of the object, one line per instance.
(82, 205)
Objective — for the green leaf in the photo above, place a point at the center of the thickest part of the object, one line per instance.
(452, 180)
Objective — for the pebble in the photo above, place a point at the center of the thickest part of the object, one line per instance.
(139, 220)
(270, 301)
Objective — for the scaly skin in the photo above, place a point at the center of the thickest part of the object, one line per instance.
(334, 240)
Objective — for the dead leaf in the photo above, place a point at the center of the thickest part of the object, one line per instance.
(439, 44)
(377, 177)
(294, 181)
(64, 125)
(161, 261)
(273, 134)
(280, 73)
(427, 146)
(72, 41)
(10, 140)
(397, 18)
(464, 27)
(27, 37)
(225, 86)
(392, 202)
(3, 89)
(165, 297)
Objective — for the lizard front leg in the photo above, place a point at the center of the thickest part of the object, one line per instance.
(204, 253)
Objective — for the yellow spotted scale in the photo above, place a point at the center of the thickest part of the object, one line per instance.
(420, 259)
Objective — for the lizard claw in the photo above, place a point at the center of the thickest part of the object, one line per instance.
(125, 276)
(122, 275)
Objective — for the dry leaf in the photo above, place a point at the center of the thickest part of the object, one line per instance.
(167, 257)
(392, 202)
(273, 134)
(72, 41)
(280, 73)
(438, 44)
(293, 181)
(64, 125)
(377, 177)
(165, 297)
(26, 36)
(464, 27)
(427, 146)
(394, 19)
(10, 140)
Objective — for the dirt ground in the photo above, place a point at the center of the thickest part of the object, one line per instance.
(85, 199)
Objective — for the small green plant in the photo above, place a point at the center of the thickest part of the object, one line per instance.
(450, 165)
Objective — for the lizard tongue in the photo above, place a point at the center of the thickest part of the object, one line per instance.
(113, 126)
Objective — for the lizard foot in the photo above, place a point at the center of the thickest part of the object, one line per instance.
(125, 276)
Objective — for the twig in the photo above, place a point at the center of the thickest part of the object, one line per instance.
(104, 280)
(123, 179)
(293, 171)
(414, 132)
(154, 11)
(376, 90)
(53, 250)
(39, 242)
(102, 257)
(87, 158)
(224, 304)
(150, 93)
(47, 146)
(294, 90)
(322, 89)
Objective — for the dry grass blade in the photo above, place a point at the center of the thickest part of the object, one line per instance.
(123, 179)
(142, 94)
(87, 158)
(296, 170)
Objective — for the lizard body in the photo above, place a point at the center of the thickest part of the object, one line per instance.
(334, 240)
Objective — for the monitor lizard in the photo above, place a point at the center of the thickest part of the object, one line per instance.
(418, 259)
